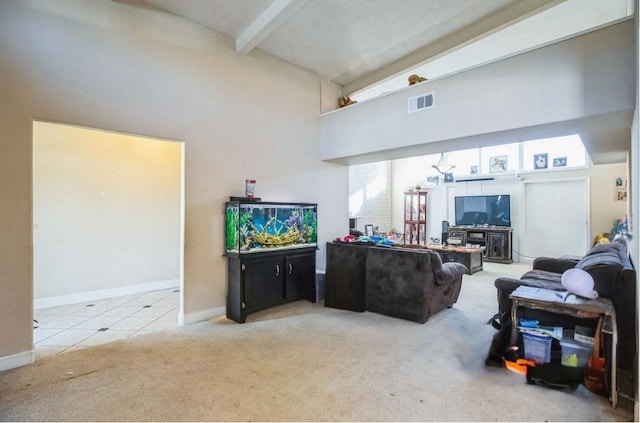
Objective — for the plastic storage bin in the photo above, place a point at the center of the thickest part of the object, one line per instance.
(537, 347)
(574, 353)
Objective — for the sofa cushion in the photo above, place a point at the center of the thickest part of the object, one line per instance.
(552, 279)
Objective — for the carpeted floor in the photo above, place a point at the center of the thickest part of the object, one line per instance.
(300, 362)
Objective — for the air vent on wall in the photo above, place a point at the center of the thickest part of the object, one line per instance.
(420, 102)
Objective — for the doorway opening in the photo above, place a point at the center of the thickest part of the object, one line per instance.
(108, 235)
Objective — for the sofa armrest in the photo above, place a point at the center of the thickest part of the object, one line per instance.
(555, 265)
(446, 272)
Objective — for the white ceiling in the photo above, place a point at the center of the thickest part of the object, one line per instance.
(358, 43)
(370, 46)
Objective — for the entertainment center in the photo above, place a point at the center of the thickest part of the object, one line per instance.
(484, 221)
(495, 240)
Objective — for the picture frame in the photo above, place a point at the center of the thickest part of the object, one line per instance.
(498, 164)
(474, 170)
(560, 162)
(435, 180)
(541, 161)
(448, 177)
(619, 189)
(368, 230)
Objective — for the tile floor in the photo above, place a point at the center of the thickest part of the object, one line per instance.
(76, 326)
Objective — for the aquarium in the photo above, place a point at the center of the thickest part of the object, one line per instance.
(258, 226)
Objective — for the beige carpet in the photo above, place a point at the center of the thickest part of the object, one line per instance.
(300, 362)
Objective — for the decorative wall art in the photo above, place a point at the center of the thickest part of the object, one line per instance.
(448, 177)
(433, 180)
(560, 162)
(498, 164)
(540, 161)
(474, 169)
(619, 189)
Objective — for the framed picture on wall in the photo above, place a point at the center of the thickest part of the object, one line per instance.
(560, 162)
(540, 161)
(498, 164)
(368, 230)
(435, 180)
(619, 189)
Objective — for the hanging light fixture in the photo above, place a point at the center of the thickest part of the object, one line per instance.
(441, 166)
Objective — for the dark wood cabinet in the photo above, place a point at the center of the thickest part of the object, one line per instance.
(499, 246)
(256, 282)
(300, 273)
(263, 283)
(495, 240)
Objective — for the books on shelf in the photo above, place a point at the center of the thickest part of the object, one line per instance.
(552, 331)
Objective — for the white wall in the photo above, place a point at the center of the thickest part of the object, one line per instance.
(518, 98)
(370, 195)
(106, 213)
(107, 65)
(603, 209)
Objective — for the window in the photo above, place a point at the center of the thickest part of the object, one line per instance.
(553, 153)
(464, 160)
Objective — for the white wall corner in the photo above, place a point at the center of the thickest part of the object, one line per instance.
(200, 316)
(20, 359)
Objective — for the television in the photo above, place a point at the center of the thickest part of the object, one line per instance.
(483, 210)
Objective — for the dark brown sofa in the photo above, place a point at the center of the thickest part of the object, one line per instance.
(408, 284)
(614, 277)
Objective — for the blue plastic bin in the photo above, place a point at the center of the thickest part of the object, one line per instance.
(537, 347)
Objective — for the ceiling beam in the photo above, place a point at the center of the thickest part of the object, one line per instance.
(266, 23)
(504, 18)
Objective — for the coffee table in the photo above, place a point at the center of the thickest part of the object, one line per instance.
(470, 257)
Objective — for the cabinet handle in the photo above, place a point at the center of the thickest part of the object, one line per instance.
(243, 306)
(277, 270)
(243, 267)
(290, 268)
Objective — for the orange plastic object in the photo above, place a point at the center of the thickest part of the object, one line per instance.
(520, 365)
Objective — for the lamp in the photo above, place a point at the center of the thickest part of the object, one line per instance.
(441, 166)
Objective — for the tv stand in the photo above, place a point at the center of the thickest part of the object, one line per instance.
(496, 240)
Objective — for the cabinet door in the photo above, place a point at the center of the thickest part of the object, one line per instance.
(263, 283)
(461, 235)
(496, 248)
(300, 277)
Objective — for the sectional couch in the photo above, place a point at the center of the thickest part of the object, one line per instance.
(405, 283)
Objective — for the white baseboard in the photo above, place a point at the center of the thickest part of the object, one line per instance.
(101, 294)
(20, 359)
(200, 316)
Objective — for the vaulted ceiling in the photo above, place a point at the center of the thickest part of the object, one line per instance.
(371, 46)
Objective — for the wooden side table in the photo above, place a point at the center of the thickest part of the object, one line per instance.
(555, 302)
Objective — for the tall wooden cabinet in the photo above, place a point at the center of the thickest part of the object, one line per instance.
(415, 217)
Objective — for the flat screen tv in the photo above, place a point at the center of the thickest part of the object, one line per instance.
(481, 210)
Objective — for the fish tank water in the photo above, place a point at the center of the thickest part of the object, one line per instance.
(257, 226)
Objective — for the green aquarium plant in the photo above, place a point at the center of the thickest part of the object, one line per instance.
(232, 225)
(310, 223)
